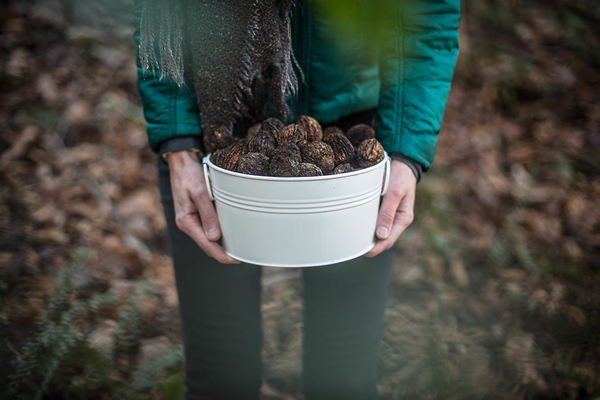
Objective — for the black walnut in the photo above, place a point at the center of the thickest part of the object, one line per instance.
(314, 133)
(331, 130)
(370, 152)
(272, 125)
(229, 158)
(264, 142)
(286, 160)
(343, 151)
(320, 154)
(342, 168)
(216, 138)
(308, 169)
(254, 164)
(359, 133)
(292, 133)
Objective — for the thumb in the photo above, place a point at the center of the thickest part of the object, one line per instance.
(387, 213)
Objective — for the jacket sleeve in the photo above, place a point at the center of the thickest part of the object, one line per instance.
(170, 111)
(417, 57)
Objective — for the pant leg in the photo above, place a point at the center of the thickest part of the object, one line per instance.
(343, 322)
(220, 314)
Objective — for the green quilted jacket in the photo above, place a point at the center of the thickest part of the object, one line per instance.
(408, 80)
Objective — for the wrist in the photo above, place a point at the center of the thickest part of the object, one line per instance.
(404, 170)
(182, 157)
(178, 143)
(416, 167)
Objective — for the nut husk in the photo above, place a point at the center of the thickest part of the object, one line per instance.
(229, 158)
(343, 151)
(264, 142)
(272, 125)
(331, 130)
(342, 168)
(320, 154)
(292, 133)
(216, 138)
(254, 164)
(370, 152)
(308, 169)
(286, 160)
(359, 133)
(314, 133)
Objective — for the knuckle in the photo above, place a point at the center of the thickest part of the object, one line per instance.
(180, 222)
(396, 192)
(198, 191)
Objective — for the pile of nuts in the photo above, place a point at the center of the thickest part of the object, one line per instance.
(300, 149)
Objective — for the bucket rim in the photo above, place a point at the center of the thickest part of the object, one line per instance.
(207, 160)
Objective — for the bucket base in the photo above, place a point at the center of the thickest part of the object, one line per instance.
(303, 265)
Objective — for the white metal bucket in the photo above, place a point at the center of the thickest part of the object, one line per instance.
(298, 221)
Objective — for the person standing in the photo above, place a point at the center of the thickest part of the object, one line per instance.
(401, 92)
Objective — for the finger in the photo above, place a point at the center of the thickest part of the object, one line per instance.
(388, 243)
(403, 218)
(208, 215)
(190, 224)
(387, 213)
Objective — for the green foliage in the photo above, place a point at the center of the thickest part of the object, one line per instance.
(58, 362)
(57, 337)
(148, 377)
(290, 295)
(126, 343)
(173, 386)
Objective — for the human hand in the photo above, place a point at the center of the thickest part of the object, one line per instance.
(396, 212)
(194, 211)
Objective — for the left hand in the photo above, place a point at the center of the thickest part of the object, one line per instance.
(396, 212)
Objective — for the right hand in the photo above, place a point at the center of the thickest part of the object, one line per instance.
(194, 211)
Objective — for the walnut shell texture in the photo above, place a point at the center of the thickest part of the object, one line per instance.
(342, 168)
(314, 133)
(229, 158)
(332, 130)
(343, 151)
(264, 142)
(272, 125)
(308, 169)
(286, 160)
(320, 154)
(359, 133)
(370, 152)
(216, 138)
(254, 164)
(292, 133)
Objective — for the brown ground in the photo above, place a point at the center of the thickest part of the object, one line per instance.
(495, 291)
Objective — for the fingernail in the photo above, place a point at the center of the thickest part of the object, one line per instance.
(213, 233)
(233, 260)
(382, 232)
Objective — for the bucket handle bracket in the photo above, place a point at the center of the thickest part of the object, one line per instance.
(207, 177)
(386, 179)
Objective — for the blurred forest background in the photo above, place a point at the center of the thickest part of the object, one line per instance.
(496, 290)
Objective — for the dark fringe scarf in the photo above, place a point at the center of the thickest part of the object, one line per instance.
(237, 55)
